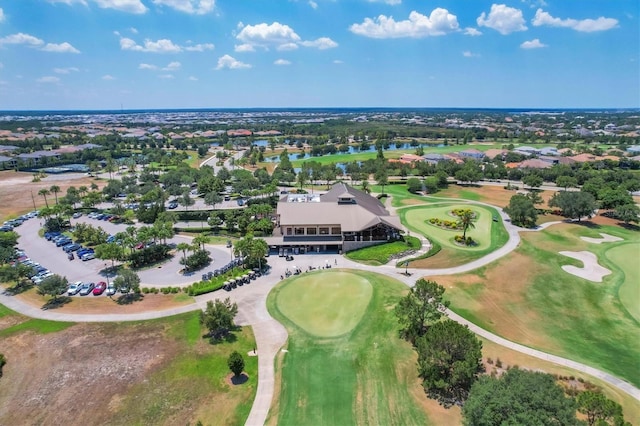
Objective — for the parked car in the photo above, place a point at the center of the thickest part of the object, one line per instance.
(84, 251)
(172, 205)
(71, 247)
(76, 215)
(39, 278)
(99, 288)
(63, 241)
(111, 238)
(74, 288)
(51, 235)
(88, 256)
(111, 290)
(86, 288)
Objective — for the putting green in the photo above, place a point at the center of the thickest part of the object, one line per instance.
(417, 218)
(327, 304)
(626, 257)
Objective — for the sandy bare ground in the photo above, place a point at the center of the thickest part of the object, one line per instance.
(606, 238)
(591, 270)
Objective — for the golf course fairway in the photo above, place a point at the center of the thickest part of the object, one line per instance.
(346, 365)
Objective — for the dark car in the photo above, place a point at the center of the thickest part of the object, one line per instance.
(63, 242)
(172, 205)
(99, 288)
(51, 235)
(71, 247)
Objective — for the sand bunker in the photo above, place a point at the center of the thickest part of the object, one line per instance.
(606, 238)
(591, 271)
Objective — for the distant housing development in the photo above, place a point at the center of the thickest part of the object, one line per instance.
(342, 219)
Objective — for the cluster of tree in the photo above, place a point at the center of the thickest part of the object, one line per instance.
(87, 233)
(534, 398)
(254, 251)
(254, 219)
(218, 317)
(8, 242)
(522, 211)
(449, 355)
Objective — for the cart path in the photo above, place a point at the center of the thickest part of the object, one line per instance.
(270, 335)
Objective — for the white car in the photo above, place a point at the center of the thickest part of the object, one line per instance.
(39, 278)
(74, 288)
(88, 256)
(111, 290)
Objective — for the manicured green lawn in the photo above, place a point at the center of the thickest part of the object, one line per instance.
(488, 234)
(36, 325)
(528, 298)
(626, 257)
(362, 377)
(380, 254)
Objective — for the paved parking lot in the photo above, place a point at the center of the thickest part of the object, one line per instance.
(55, 259)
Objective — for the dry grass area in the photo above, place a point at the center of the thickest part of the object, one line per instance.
(78, 375)
(97, 305)
(18, 187)
(504, 308)
(494, 195)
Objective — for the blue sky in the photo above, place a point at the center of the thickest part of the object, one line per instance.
(104, 54)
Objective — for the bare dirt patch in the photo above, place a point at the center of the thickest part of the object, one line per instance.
(104, 305)
(18, 187)
(77, 376)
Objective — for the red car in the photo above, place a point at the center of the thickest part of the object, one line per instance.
(99, 288)
(140, 246)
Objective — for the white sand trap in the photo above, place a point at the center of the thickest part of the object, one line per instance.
(591, 271)
(606, 238)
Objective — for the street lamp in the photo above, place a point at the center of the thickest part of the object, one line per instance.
(107, 274)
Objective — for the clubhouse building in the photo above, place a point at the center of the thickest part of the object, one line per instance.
(340, 220)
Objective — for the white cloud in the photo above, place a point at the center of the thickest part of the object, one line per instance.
(108, 77)
(129, 6)
(281, 62)
(390, 2)
(192, 78)
(313, 4)
(321, 43)
(503, 19)
(69, 2)
(133, 30)
(244, 48)
(166, 76)
(60, 48)
(440, 22)
(470, 31)
(199, 47)
(2, 18)
(266, 35)
(338, 61)
(287, 46)
(230, 62)
(533, 44)
(173, 66)
(469, 54)
(147, 67)
(21, 38)
(159, 46)
(193, 7)
(48, 79)
(583, 25)
(67, 70)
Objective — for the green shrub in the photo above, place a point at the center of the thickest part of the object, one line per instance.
(175, 290)
(145, 290)
(154, 290)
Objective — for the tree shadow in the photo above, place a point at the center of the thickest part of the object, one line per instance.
(240, 379)
(629, 226)
(56, 303)
(587, 224)
(19, 288)
(229, 337)
(129, 298)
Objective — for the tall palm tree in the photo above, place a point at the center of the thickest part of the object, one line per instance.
(201, 240)
(55, 189)
(365, 187)
(466, 222)
(183, 247)
(82, 190)
(44, 192)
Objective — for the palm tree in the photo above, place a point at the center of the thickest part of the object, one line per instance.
(55, 189)
(44, 192)
(365, 187)
(183, 247)
(466, 222)
(201, 240)
(82, 190)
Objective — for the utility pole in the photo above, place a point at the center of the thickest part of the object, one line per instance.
(34, 201)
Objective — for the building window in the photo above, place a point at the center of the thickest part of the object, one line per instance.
(312, 231)
(299, 231)
(335, 231)
(288, 231)
(324, 231)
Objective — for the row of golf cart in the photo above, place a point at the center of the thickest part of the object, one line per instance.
(226, 268)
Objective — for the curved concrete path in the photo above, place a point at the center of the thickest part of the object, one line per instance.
(271, 335)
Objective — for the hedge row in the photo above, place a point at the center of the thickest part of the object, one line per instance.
(215, 283)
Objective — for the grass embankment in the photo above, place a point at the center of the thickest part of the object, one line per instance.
(528, 298)
(381, 254)
(358, 372)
